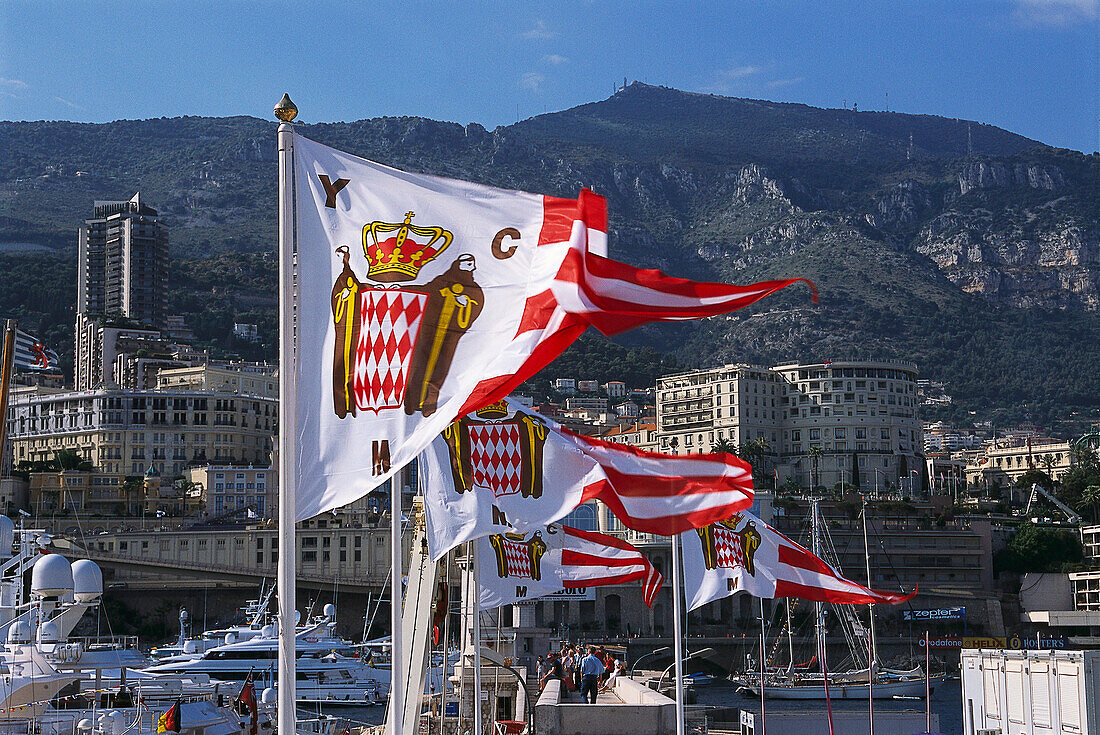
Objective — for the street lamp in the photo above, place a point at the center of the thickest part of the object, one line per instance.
(663, 649)
(877, 473)
(690, 656)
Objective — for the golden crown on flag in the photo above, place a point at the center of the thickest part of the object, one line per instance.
(496, 410)
(397, 251)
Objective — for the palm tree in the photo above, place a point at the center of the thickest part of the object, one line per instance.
(723, 445)
(1048, 461)
(815, 461)
(1091, 499)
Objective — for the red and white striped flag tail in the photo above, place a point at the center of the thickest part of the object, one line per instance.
(558, 560)
(420, 299)
(586, 288)
(505, 468)
(744, 554)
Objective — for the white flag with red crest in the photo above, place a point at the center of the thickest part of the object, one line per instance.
(744, 554)
(506, 468)
(513, 567)
(420, 299)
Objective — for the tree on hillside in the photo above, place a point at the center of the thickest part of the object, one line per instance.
(1035, 477)
(1084, 471)
(1038, 549)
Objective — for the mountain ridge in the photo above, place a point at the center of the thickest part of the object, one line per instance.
(926, 235)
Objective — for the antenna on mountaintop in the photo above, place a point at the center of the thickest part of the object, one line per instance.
(624, 82)
(969, 141)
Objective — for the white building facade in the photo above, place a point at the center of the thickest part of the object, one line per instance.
(817, 423)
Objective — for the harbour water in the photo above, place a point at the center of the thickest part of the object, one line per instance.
(946, 702)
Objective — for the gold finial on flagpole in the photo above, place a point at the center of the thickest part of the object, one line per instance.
(285, 110)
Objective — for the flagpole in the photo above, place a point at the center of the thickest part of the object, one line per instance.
(763, 706)
(677, 632)
(286, 111)
(475, 598)
(397, 671)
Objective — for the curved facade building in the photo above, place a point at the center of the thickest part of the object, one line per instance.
(860, 414)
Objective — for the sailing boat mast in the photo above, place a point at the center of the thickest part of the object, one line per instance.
(873, 655)
(790, 637)
(815, 530)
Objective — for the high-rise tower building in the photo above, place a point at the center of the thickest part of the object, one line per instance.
(122, 278)
(123, 263)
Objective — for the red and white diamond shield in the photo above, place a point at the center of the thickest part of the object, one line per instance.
(390, 321)
(517, 558)
(727, 548)
(495, 457)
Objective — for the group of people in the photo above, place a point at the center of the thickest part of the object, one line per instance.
(591, 674)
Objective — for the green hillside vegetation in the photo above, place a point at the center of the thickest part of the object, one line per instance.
(698, 185)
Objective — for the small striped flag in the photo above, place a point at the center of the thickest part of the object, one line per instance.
(558, 560)
(31, 353)
(744, 554)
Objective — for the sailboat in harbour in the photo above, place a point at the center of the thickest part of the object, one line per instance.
(870, 680)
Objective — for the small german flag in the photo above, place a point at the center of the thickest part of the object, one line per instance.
(170, 720)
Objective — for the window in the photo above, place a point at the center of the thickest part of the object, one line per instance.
(309, 557)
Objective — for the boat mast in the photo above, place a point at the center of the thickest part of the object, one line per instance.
(790, 637)
(815, 530)
(873, 653)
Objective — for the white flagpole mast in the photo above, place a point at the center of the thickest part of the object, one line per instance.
(397, 670)
(286, 111)
(475, 595)
(677, 632)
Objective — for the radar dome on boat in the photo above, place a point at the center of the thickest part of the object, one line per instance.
(268, 631)
(84, 725)
(19, 633)
(87, 581)
(184, 615)
(269, 696)
(330, 611)
(52, 576)
(190, 647)
(297, 616)
(48, 632)
(7, 537)
(230, 638)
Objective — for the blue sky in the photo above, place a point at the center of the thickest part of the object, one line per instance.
(1030, 66)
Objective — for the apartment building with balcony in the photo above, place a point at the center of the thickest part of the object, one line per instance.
(129, 432)
(860, 415)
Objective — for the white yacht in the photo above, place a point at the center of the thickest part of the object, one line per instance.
(254, 611)
(55, 685)
(327, 669)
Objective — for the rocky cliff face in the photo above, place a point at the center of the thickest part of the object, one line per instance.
(1018, 233)
(995, 174)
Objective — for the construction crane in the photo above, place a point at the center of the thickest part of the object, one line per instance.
(1036, 490)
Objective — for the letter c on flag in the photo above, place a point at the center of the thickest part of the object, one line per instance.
(499, 252)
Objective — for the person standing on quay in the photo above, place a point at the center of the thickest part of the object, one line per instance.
(591, 670)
